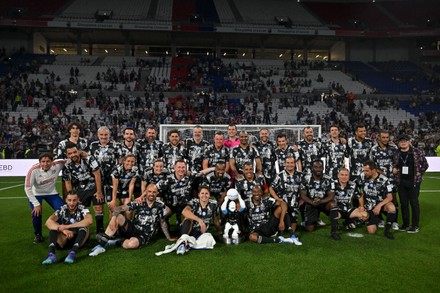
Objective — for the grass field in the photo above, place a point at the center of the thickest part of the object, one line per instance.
(410, 263)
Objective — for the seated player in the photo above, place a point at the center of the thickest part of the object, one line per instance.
(266, 218)
(134, 233)
(69, 228)
(198, 213)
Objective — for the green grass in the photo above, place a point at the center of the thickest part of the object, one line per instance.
(373, 263)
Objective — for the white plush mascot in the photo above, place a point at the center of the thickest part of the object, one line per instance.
(229, 208)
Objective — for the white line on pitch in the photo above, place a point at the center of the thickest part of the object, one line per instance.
(9, 187)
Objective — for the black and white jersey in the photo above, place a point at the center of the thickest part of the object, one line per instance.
(287, 187)
(107, 156)
(216, 185)
(194, 154)
(147, 219)
(267, 157)
(260, 214)
(384, 158)
(374, 190)
(176, 192)
(60, 151)
(335, 154)
(134, 150)
(344, 196)
(172, 154)
(213, 155)
(243, 156)
(148, 152)
(65, 217)
(244, 186)
(151, 178)
(309, 152)
(317, 188)
(281, 156)
(358, 152)
(124, 177)
(205, 214)
(81, 175)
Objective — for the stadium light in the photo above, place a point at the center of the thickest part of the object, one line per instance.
(106, 51)
(64, 49)
(281, 55)
(224, 54)
(244, 54)
(146, 52)
(52, 51)
(85, 50)
(299, 56)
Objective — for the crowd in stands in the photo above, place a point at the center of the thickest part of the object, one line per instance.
(142, 110)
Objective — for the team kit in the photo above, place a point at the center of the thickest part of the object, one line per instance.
(261, 191)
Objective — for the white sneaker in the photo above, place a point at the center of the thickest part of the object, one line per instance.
(395, 226)
(381, 224)
(321, 222)
(285, 240)
(181, 249)
(295, 240)
(98, 249)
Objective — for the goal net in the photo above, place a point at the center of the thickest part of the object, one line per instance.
(293, 132)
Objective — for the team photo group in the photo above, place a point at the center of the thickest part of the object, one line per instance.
(258, 189)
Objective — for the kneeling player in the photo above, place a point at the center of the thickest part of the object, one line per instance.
(345, 192)
(266, 218)
(377, 198)
(137, 232)
(69, 227)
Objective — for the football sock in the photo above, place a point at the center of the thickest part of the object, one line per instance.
(82, 233)
(53, 235)
(264, 239)
(334, 219)
(99, 222)
(391, 216)
(185, 228)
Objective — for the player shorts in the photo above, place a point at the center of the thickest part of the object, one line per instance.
(311, 213)
(128, 230)
(123, 194)
(346, 214)
(87, 197)
(268, 229)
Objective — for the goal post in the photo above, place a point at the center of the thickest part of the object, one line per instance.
(293, 133)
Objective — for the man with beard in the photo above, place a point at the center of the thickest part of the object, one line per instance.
(310, 149)
(129, 145)
(318, 193)
(149, 149)
(68, 227)
(83, 175)
(173, 151)
(246, 183)
(242, 154)
(284, 150)
(266, 148)
(107, 153)
(218, 182)
(335, 152)
(358, 151)
(216, 152)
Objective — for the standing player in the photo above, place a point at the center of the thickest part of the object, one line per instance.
(232, 140)
(149, 150)
(68, 227)
(107, 153)
(195, 148)
(358, 151)
(74, 131)
(173, 151)
(83, 175)
(266, 148)
(129, 145)
(382, 154)
(335, 152)
(283, 151)
(244, 153)
(318, 193)
(216, 152)
(310, 149)
(377, 198)
(285, 187)
(40, 184)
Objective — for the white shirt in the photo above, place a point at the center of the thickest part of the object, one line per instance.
(39, 182)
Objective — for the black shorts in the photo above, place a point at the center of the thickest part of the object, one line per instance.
(375, 219)
(70, 242)
(268, 229)
(311, 213)
(128, 230)
(86, 197)
(123, 194)
(346, 214)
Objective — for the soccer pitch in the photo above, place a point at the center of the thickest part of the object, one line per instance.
(409, 263)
